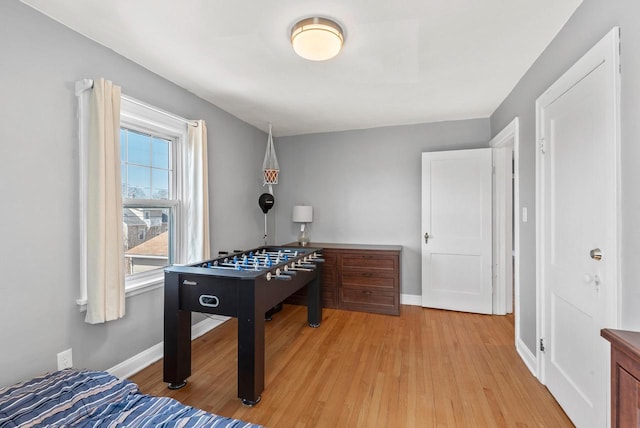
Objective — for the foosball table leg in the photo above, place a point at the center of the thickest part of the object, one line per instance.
(314, 299)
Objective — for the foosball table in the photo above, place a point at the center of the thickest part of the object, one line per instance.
(244, 285)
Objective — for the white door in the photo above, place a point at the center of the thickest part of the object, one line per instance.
(577, 231)
(456, 227)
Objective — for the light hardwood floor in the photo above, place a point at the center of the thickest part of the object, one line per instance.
(425, 368)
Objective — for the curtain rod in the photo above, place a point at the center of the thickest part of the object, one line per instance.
(84, 84)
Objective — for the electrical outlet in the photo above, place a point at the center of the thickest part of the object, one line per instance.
(65, 360)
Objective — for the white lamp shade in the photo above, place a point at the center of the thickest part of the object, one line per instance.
(302, 214)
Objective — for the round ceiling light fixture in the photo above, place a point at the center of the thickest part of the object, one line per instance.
(317, 39)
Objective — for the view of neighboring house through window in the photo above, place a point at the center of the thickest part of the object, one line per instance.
(149, 199)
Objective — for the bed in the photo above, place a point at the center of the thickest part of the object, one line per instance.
(86, 398)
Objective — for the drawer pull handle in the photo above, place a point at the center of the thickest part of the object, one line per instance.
(187, 282)
(209, 300)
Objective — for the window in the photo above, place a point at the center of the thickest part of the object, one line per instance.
(147, 199)
(151, 150)
(165, 196)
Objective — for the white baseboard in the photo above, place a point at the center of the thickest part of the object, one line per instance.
(149, 356)
(528, 357)
(411, 299)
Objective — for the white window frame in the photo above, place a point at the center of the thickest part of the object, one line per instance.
(139, 116)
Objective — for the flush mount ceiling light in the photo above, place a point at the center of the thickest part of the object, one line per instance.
(317, 39)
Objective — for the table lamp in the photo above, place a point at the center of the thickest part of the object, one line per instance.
(302, 214)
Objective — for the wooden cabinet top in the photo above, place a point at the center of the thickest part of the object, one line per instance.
(358, 247)
(626, 341)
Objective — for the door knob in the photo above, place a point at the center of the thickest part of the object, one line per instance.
(596, 254)
(426, 237)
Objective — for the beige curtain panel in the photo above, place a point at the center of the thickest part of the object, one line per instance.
(197, 194)
(105, 253)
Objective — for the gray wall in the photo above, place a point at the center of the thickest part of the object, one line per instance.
(591, 21)
(40, 60)
(364, 185)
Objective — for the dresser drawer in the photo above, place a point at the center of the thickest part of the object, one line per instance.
(383, 279)
(368, 300)
(369, 261)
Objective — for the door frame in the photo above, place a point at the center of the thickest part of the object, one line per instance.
(508, 137)
(607, 49)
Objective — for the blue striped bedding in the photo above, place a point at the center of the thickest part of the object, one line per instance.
(85, 398)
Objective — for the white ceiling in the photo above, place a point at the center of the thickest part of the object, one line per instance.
(404, 61)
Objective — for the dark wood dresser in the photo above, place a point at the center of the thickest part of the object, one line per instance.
(625, 377)
(362, 278)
